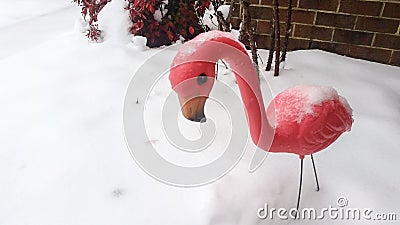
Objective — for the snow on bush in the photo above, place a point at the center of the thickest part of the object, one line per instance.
(92, 7)
(114, 21)
(161, 22)
(210, 18)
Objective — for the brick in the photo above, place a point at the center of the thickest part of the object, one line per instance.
(298, 16)
(262, 41)
(338, 48)
(254, 1)
(265, 27)
(313, 32)
(368, 53)
(236, 21)
(283, 30)
(227, 2)
(335, 20)
(269, 2)
(283, 3)
(342, 49)
(297, 44)
(387, 41)
(236, 10)
(354, 51)
(377, 25)
(361, 7)
(353, 37)
(330, 5)
(262, 13)
(326, 46)
(301, 16)
(392, 10)
(395, 58)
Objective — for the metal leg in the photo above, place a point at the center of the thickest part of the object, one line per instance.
(301, 182)
(315, 172)
(216, 72)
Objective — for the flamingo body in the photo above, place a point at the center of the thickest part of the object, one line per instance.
(304, 125)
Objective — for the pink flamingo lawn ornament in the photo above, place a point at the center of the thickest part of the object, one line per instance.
(301, 120)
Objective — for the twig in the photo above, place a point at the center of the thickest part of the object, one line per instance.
(248, 30)
(277, 37)
(229, 17)
(288, 30)
(223, 24)
(271, 48)
(259, 57)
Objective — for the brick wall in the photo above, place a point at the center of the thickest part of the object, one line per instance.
(366, 29)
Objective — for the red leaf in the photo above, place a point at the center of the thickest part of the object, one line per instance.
(170, 35)
(191, 30)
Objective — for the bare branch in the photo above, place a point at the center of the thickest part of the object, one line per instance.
(247, 30)
(271, 48)
(288, 29)
(277, 37)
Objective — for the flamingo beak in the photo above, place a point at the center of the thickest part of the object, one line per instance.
(193, 108)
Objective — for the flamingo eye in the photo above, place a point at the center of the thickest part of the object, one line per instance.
(202, 78)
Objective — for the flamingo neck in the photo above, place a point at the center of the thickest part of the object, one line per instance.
(261, 131)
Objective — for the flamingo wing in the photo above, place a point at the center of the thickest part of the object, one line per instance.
(321, 128)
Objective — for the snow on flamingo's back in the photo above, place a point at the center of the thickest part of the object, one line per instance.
(297, 102)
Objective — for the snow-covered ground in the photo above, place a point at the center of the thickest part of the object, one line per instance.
(64, 160)
(25, 23)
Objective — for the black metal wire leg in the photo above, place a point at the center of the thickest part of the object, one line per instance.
(301, 182)
(315, 172)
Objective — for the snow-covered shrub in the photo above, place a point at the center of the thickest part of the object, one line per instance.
(92, 7)
(163, 22)
(157, 32)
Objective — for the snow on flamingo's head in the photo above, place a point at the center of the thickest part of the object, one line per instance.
(192, 71)
(195, 58)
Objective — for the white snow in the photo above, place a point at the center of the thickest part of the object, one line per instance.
(64, 160)
(190, 47)
(18, 10)
(139, 43)
(114, 21)
(25, 24)
(297, 102)
(316, 94)
(81, 25)
(210, 19)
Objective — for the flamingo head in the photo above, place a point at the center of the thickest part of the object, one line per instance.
(193, 81)
(192, 71)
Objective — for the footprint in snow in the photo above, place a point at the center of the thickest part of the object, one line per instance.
(117, 193)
